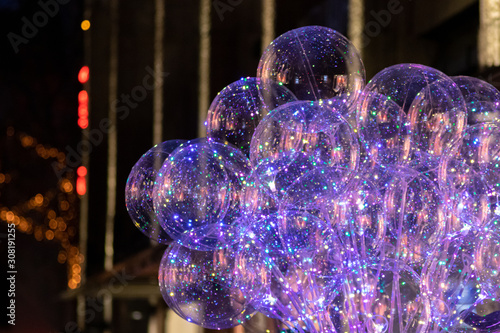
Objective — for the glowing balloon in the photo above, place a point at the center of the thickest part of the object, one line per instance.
(482, 100)
(304, 138)
(487, 259)
(436, 119)
(238, 109)
(139, 191)
(470, 177)
(314, 63)
(213, 289)
(414, 210)
(198, 190)
(381, 124)
(403, 82)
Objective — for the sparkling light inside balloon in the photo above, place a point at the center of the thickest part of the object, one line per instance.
(208, 288)
(198, 194)
(470, 176)
(330, 206)
(482, 100)
(238, 109)
(302, 151)
(139, 191)
(313, 63)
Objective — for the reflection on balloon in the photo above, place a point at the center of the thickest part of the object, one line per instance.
(328, 205)
(238, 109)
(313, 63)
(139, 191)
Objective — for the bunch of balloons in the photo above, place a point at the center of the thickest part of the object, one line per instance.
(328, 204)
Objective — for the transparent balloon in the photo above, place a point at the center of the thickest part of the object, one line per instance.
(470, 177)
(415, 215)
(403, 82)
(314, 63)
(303, 151)
(358, 219)
(381, 124)
(139, 191)
(482, 100)
(213, 289)
(436, 119)
(488, 259)
(238, 109)
(382, 297)
(198, 199)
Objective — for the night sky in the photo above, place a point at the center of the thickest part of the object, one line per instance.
(40, 56)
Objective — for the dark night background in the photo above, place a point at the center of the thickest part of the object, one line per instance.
(39, 113)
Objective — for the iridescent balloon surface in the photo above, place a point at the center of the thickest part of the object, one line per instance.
(482, 100)
(210, 289)
(238, 109)
(139, 190)
(197, 197)
(330, 206)
(313, 63)
(304, 151)
(470, 176)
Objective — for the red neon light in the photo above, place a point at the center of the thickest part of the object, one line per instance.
(83, 111)
(83, 97)
(83, 123)
(81, 171)
(81, 185)
(83, 75)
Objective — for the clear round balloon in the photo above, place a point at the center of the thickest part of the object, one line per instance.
(139, 191)
(470, 177)
(381, 125)
(384, 297)
(487, 261)
(314, 63)
(303, 151)
(415, 215)
(274, 302)
(238, 108)
(303, 281)
(403, 82)
(436, 119)
(198, 194)
(482, 100)
(213, 289)
(358, 218)
(445, 274)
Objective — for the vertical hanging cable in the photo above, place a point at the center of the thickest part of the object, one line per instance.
(158, 67)
(112, 139)
(204, 66)
(356, 23)
(158, 89)
(268, 19)
(112, 155)
(489, 33)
